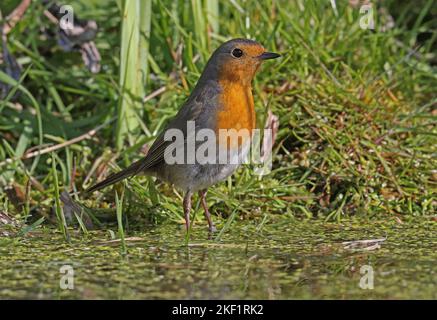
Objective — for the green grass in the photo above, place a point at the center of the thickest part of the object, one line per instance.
(58, 209)
(119, 209)
(357, 109)
(135, 36)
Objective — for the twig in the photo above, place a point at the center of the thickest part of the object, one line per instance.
(51, 17)
(84, 136)
(367, 241)
(15, 16)
(154, 94)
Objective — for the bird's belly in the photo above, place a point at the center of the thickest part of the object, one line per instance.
(198, 176)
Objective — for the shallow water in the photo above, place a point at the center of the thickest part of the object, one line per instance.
(283, 259)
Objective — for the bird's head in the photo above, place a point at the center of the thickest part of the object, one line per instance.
(237, 60)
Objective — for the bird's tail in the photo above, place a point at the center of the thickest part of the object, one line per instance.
(133, 169)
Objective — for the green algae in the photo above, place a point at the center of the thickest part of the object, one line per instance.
(285, 259)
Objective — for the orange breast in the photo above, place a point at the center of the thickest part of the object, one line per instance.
(236, 111)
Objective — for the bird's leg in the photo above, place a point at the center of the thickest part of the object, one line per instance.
(202, 195)
(187, 209)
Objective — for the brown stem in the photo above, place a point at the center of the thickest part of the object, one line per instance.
(15, 16)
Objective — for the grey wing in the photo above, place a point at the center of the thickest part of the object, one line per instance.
(197, 108)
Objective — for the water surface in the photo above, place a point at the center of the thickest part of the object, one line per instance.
(282, 259)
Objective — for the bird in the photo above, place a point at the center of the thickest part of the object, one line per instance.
(221, 100)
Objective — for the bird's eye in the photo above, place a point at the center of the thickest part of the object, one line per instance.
(237, 53)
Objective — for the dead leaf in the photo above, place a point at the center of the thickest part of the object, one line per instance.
(363, 245)
(78, 38)
(70, 207)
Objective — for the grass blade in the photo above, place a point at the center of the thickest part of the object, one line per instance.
(58, 208)
(119, 209)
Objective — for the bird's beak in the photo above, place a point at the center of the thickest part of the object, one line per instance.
(269, 55)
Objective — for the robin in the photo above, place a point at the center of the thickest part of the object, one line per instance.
(222, 100)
